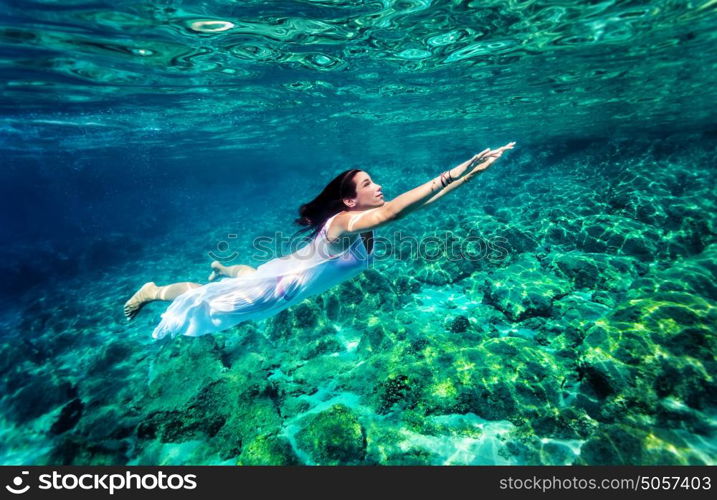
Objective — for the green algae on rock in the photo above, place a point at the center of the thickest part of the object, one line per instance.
(333, 437)
(267, 449)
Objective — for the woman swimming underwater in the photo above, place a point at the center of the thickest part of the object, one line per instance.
(341, 220)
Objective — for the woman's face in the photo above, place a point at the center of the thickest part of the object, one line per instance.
(368, 193)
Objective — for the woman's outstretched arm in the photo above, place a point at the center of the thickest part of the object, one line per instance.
(475, 169)
(389, 211)
(476, 165)
(422, 195)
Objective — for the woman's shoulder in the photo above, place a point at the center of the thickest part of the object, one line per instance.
(337, 226)
(342, 222)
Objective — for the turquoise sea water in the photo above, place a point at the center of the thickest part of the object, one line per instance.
(142, 140)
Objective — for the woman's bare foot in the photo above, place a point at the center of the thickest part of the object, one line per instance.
(147, 293)
(217, 270)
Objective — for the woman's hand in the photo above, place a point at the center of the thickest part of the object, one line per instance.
(479, 156)
(464, 167)
(497, 152)
(488, 158)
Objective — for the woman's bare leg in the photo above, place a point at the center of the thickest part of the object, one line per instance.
(232, 271)
(150, 292)
(171, 292)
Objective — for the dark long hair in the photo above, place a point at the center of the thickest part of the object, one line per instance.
(328, 203)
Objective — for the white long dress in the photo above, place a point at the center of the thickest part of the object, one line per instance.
(274, 286)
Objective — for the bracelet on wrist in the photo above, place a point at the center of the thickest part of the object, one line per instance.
(446, 178)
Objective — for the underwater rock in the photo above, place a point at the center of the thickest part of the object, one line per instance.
(415, 456)
(517, 240)
(534, 328)
(460, 324)
(332, 307)
(107, 423)
(279, 327)
(376, 283)
(9, 357)
(693, 236)
(375, 339)
(267, 449)
(613, 234)
(697, 275)
(438, 259)
(350, 292)
(249, 418)
(674, 414)
(614, 445)
(644, 350)
(390, 443)
(484, 318)
(578, 310)
(333, 437)
(310, 374)
(637, 193)
(597, 271)
(240, 342)
(696, 342)
(602, 375)
(111, 354)
(379, 294)
(41, 341)
(565, 423)
(69, 416)
(175, 427)
(322, 345)
(523, 290)
(526, 451)
(406, 285)
(225, 413)
(687, 381)
(298, 322)
(488, 240)
(495, 402)
(605, 298)
(561, 233)
(16, 377)
(500, 379)
(439, 273)
(70, 450)
(687, 208)
(618, 444)
(180, 370)
(397, 391)
(294, 405)
(678, 321)
(306, 315)
(41, 393)
(479, 242)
